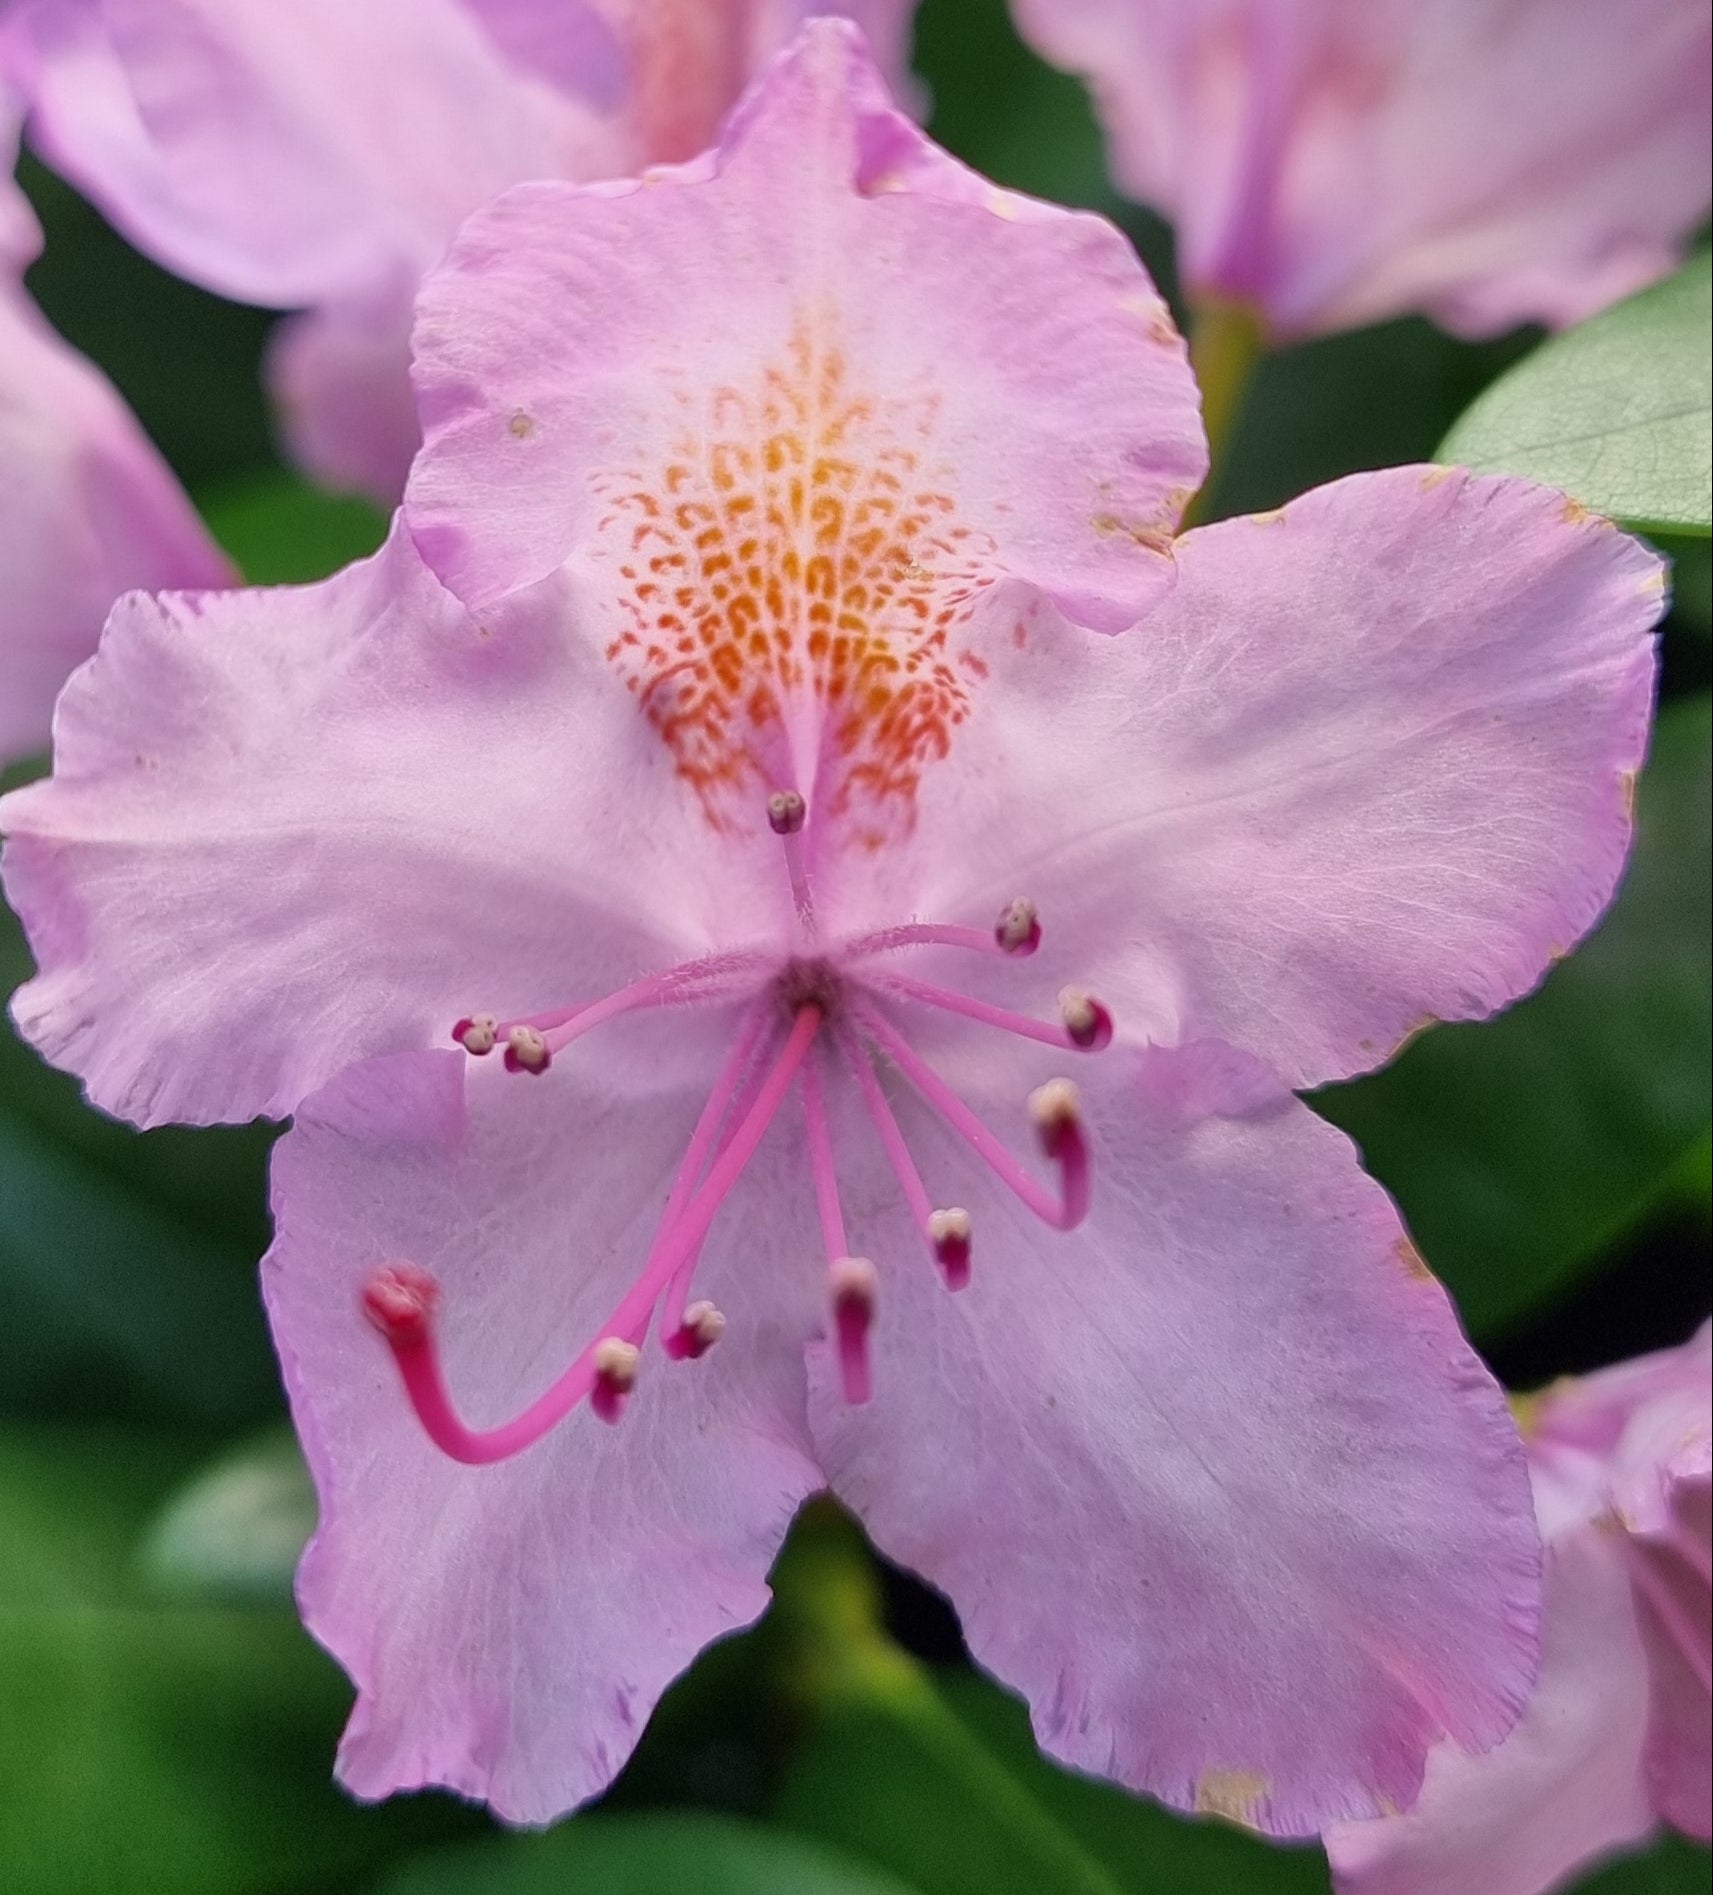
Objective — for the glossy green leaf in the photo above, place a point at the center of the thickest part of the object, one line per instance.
(664, 1854)
(1618, 412)
(170, 1749)
(279, 530)
(1521, 1147)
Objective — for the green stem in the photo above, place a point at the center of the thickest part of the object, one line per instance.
(1227, 343)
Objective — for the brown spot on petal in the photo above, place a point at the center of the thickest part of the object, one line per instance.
(1231, 1795)
(1415, 1032)
(1627, 790)
(1274, 516)
(1574, 513)
(1437, 477)
(1152, 539)
(520, 427)
(1415, 1264)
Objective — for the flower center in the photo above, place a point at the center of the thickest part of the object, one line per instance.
(801, 1016)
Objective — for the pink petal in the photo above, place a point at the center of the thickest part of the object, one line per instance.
(287, 155)
(1012, 365)
(1566, 1788)
(291, 828)
(1214, 1482)
(1368, 765)
(87, 510)
(340, 380)
(1341, 161)
(510, 1628)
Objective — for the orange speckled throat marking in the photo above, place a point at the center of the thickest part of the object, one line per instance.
(797, 566)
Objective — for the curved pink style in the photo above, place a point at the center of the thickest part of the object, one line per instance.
(784, 831)
(320, 156)
(1330, 163)
(88, 509)
(1616, 1740)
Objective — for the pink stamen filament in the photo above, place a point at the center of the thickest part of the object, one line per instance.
(719, 1103)
(923, 934)
(1063, 1211)
(893, 1144)
(653, 990)
(418, 1358)
(1022, 1024)
(821, 1167)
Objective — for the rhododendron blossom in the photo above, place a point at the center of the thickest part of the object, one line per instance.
(1619, 1737)
(87, 507)
(319, 155)
(1329, 163)
(791, 935)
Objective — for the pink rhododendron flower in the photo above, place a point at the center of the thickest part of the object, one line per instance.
(1617, 1738)
(87, 507)
(665, 925)
(319, 155)
(1333, 162)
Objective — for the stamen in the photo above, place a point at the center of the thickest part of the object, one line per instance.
(1056, 1109)
(653, 990)
(400, 1299)
(479, 1034)
(616, 1363)
(673, 1314)
(1061, 1132)
(787, 815)
(940, 1228)
(702, 1326)
(821, 1167)
(1087, 1023)
(949, 1233)
(1017, 932)
(855, 1286)
(527, 1051)
(1092, 1017)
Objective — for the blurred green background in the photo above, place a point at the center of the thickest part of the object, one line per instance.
(166, 1729)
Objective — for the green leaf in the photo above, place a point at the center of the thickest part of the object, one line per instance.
(233, 1533)
(1671, 1867)
(122, 1253)
(279, 530)
(1617, 413)
(177, 1750)
(1520, 1148)
(860, 1781)
(642, 1855)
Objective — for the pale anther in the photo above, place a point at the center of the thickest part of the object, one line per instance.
(786, 812)
(478, 1034)
(1018, 930)
(1056, 1109)
(855, 1284)
(702, 1327)
(949, 1234)
(1087, 1022)
(527, 1051)
(616, 1363)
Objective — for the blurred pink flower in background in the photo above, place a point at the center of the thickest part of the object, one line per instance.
(1330, 163)
(318, 155)
(795, 508)
(87, 508)
(1617, 1739)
